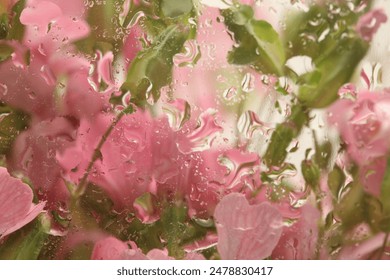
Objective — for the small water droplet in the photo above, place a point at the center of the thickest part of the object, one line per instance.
(3, 89)
(191, 55)
(178, 112)
(230, 93)
(248, 83)
(32, 95)
(249, 123)
(135, 19)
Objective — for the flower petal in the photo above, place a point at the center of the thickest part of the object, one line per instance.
(16, 208)
(246, 231)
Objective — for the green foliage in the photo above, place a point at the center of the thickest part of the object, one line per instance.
(16, 29)
(167, 24)
(10, 126)
(327, 37)
(385, 200)
(336, 180)
(173, 223)
(336, 50)
(323, 153)
(5, 52)
(351, 209)
(258, 43)
(152, 68)
(311, 173)
(104, 23)
(283, 135)
(25, 244)
(174, 8)
(3, 26)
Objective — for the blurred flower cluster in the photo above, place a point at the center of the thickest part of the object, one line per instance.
(165, 129)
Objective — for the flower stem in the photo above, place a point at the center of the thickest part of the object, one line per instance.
(81, 187)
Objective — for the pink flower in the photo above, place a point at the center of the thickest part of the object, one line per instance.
(111, 248)
(369, 23)
(48, 26)
(365, 128)
(24, 86)
(364, 249)
(142, 155)
(298, 242)
(246, 231)
(54, 81)
(16, 208)
(34, 154)
(124, 170)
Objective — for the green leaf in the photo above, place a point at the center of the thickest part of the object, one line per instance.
(385, 199)
(3, 26)
(283, 135)
(335, 48)
(336, 180)
(104, 22)
(146, 202)
(323, 152)
(336, 70)
(311, 173)
(5, 52)
(16, 31)
(374, 213)
(258, 43)
(351, 209)
(10, 126)
(152, 68)
(26, 243)
(174, 8)
(173, 222)
(385, 188)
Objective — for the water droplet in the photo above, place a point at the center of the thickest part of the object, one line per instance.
(230, 93)
(348, 91)
(178, 112)
(41, 50)
(248, 83)
(203, 135)
(278, 173)
(301, 64)
(32, 95)
(192, 21)
(323, 35)
(211, 51)
(48, 75)
(191, 55)
(249, 123)
(92, 83)
(126, 99)
(3, 89)
(239, 166)
(135, 19)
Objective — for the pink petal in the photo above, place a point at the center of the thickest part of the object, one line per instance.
(41, 14)
(363, 249)
(31, 215)
(194, 256)
(369, 23)
(105, 70)
(157, 254)
(16, 208)
(245, 231)
(67, 29)
(298, 242)
(109, 248)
